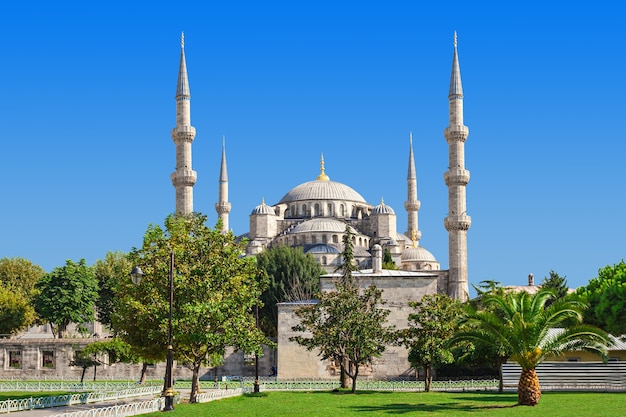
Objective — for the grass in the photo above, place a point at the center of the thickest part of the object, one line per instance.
(380, 403)
(16, 395)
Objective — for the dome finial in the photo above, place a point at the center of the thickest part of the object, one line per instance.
(322, 176)
(414, 237)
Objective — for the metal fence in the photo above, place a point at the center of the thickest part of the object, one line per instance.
(71, 385)
(32, 403)
(133, 409)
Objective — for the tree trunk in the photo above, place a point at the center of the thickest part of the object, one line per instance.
(500, 379)
(356, 374)
(194, 383)
(345, 379)
(82, 376)
(142, 377)
(528, 390)
(427, 378)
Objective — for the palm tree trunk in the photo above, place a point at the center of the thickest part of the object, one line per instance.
(528, 390)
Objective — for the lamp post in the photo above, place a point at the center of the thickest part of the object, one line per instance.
(256, 355)
(168, 388)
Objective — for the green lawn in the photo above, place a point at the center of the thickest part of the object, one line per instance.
(16, 395)
(379, 403)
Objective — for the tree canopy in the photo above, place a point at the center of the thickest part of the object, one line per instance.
(19, 274)
(110, 272)
(293, 276)
(606, 295)
(215, 290)
(431, 326)
(67, 295)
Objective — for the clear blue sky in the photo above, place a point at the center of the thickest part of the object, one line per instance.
(88, 105)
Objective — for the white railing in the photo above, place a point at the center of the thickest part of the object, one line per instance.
(132, 409)
(23, 404)
(206, 396)
(69, 385)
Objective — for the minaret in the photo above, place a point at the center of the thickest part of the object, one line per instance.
(183, 135)
(458, 222)
(223, 206)
(412, 204)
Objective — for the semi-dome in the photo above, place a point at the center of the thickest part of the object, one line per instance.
(417, 254)
(322, 190)
(322, 224)
(321, 248)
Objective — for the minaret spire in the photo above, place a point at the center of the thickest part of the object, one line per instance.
(458, 222)
(412, 204)
(223, 206)
(183, 135)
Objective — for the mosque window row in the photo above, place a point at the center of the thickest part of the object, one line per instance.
(295, 240)
(328, 210)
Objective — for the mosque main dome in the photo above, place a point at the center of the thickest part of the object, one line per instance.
(322, 190)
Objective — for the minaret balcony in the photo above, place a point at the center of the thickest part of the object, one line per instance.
(412, 205)
(456, 133)
(184, 134)
(184, 177)
(223, 207)
(460, 222)
(456, 176)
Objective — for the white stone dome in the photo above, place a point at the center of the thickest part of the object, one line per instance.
(322, 190)
(382, 208)
(263, 209)
(417, 254)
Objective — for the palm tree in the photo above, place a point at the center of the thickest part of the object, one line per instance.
(520, 323)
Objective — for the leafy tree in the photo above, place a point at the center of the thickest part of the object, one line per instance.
(20, 274)
(388, 262)
(521, 323)
(430, 328)
(215, 290)
(85, 361)
(67, 295)
(110, 272)
(16, 311)
(346, 325)
(293, 276)
(557, 284)
(606, 295)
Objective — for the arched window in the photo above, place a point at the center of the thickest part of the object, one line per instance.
(304, 210)
(316, 209)
(324, 260)
(313, 239)
(335, 239)
(342, 210)
(329, 209)
(324, 239)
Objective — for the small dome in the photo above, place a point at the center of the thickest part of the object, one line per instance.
(322, 224)
(417, 253)
(263, 209)
(382, 208)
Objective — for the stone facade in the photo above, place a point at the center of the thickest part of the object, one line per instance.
(398, 287)
(50, 358)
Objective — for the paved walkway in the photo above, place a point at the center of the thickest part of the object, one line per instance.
(43, 412)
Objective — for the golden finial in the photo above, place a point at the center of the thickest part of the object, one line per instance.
(455, 38)
(262, 201)
(382, 201)
(322, 176)
(182, 40)
(413, 236)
